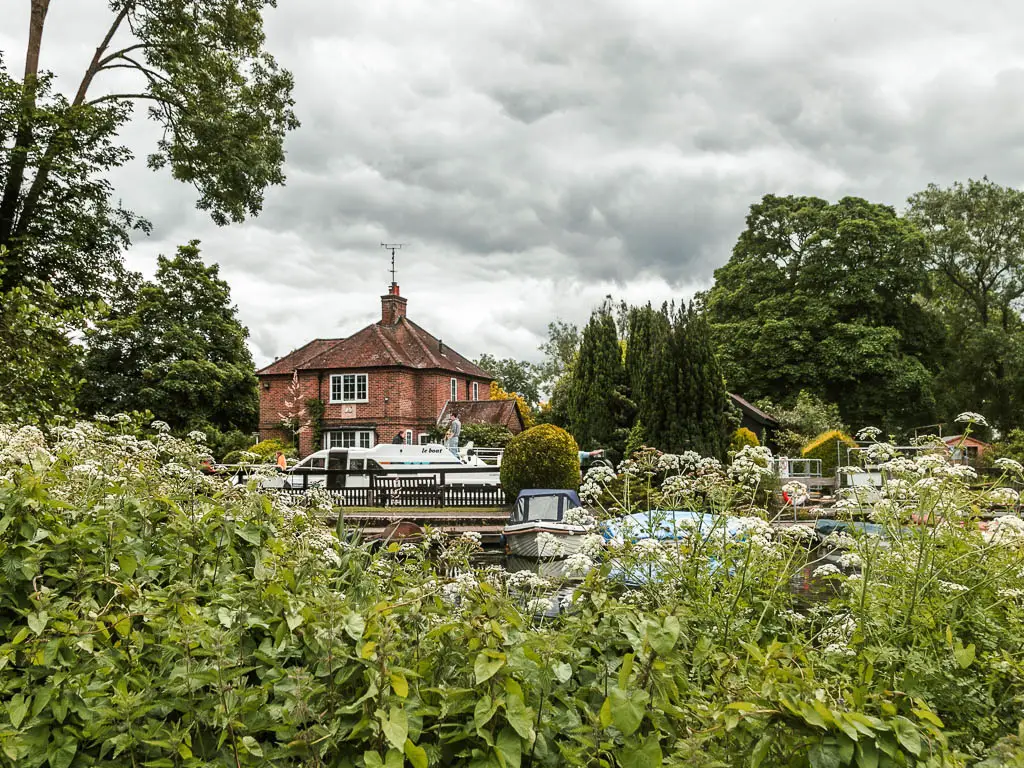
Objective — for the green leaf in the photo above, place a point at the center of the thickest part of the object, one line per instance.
(417, 755)
(625, 670)
(563, 672)
(64, 754)
(510, 747)
(964, 656)
(824, 756)
(128, 564)
(908, 736)
(396, 727)
(519, 716)
(250, 532)
(487, 665)
(354, 625)
(663, 638)
(646, 755)
(252, 746)
(867, 754)
(37, 621)
(393, 759)
(372, 760)
(17, 708)
(627, 709)
(760, 751)
(484, 711)
(399, 684)
(294, 620)
(605, 714)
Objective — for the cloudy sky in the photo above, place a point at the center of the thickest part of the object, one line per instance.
(537, 155)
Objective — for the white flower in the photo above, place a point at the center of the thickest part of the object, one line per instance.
(1009, 465)
(579, 516)
(795, 490)
(823, 571)
(196, 436)
(549, 545)
(578, 564)
(161, 426)
(879, 453)
(951, 587)
(868, 433)
(540, 605)
(1006, 497)
(592, 544)
(850, 560)
(970, 417)
(472, 536)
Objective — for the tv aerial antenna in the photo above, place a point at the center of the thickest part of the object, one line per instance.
(393, 247)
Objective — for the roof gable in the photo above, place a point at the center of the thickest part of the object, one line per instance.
(483, 411)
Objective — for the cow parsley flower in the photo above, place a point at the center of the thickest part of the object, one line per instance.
(1009, 465)
(868, 433)
(579, 516)
(578, 564)
(826, 570)
(970, 417)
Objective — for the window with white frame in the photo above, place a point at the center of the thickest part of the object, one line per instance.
(454, 390)
(424, 438)
(349, 438)
(349, 388)
(476, 390)
(408, 437)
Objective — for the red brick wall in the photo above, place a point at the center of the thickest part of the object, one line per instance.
(415, 399)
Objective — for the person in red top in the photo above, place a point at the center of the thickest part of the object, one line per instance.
(282, 462)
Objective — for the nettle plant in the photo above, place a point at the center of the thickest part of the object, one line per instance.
(154, 615)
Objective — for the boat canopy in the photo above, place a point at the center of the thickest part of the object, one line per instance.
(543, 505)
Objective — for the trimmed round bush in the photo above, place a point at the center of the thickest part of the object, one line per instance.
(830, 447)
(743, 437)
(544, 456)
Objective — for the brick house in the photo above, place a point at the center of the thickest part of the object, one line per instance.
(391, 378)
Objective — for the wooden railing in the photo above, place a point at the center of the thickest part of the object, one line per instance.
(406, 487)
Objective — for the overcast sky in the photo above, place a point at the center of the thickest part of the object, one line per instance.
(537, 155)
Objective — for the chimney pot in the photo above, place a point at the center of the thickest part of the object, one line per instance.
(392, 306)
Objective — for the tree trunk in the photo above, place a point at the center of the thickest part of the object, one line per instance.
(23, 136)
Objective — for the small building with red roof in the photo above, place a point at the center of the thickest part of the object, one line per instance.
(392, 378)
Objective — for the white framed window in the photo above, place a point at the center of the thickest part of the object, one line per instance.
(476, 390)
(424, 438)
(349, 388)
(454, 390)
(408, 437)
(349, 438)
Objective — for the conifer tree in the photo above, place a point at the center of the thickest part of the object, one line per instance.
(600, 411)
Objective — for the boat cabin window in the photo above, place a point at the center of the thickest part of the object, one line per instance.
(336, 461)
(371, 464)
(539, 508)
(316, 462)
(355, 464)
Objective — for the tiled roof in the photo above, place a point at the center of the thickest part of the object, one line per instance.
(482, 411)
(402, 344)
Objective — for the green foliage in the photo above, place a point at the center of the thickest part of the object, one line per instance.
(517, 377)
(742, 437)
(684, 404)
(221, 101)
(222, 444)
(264, 450)
(545, 456)
(975, 235)
(38, 362)
(485, 435)
(600, 411)
(826, 298)
(808, 416)
(637, 439)
(175, 347)
(315, 412)
(830, 447)
(154, 616)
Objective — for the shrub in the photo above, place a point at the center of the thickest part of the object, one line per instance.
(637, 439)
(808, 416)
(826, 447)
(743, 437)
(485, 435)
(265, 451)
(545, 456)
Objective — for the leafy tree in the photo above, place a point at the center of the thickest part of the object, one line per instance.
(808, 417)
(599, 409)
(975, 234)
(221, 99)
(497, 393)
(176, 348)
(826, 298)
(38, 361)
(518, 376)
(559, 352)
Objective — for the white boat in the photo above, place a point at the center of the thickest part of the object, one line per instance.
(436, 463)
(536, 529)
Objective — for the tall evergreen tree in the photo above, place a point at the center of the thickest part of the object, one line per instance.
(176, 348)
(646, 331)
(600, 411)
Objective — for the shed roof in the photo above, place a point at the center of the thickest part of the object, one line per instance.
(483, 411)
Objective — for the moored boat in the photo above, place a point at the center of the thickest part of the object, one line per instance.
(538, 526)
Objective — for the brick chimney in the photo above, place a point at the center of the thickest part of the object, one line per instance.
(392, 306)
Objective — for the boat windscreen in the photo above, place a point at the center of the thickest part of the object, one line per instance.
(547, 508)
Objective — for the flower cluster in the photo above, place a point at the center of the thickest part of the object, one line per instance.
(752, 465)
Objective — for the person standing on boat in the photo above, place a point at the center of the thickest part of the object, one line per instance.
(454, 430)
